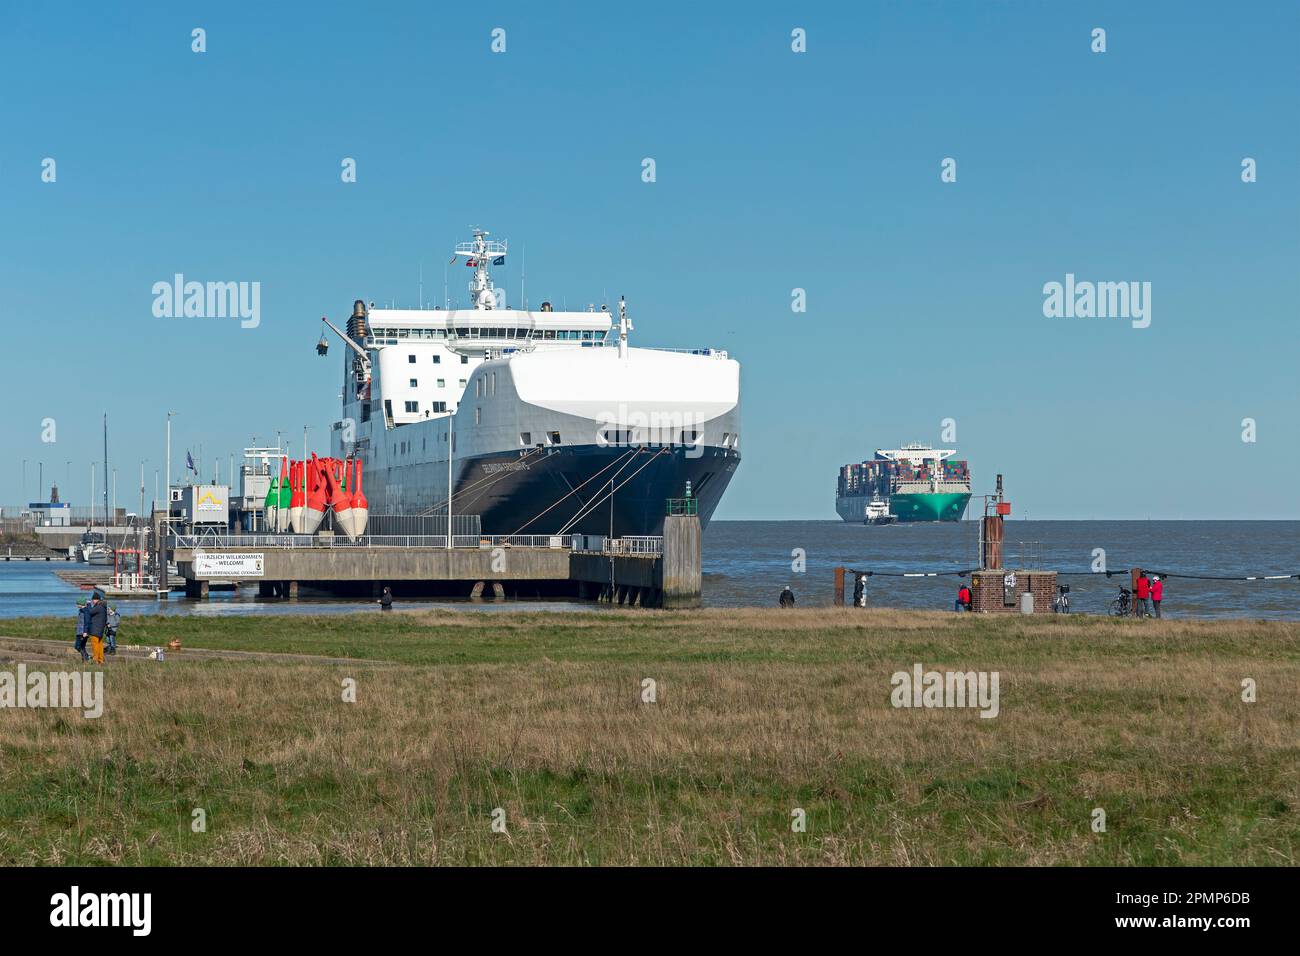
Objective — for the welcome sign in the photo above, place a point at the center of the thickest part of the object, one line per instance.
(230, 564)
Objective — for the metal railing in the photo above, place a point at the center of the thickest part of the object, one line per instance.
(307, 541)
(682, 506)
(599, 544)
(708, 352)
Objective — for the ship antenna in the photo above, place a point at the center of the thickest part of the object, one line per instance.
(480, 251)
(624, 326)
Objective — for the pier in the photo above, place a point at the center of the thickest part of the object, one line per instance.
(636, 572)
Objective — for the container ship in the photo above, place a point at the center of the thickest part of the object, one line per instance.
(915, 483)
(539, 422)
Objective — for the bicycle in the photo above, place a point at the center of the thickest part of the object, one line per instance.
(1122, 605)
(1062, 603)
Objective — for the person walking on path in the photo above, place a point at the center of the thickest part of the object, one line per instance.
(83, 625)
(963, 599)
(96, 622)
(859, 590)
(1143, 595)
(1157, 593)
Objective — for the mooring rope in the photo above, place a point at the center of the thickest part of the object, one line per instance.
(627, 454)
(1088, 574)
(592, 505)
(489, 479)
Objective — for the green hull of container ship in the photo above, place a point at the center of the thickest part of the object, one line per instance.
(929, 507)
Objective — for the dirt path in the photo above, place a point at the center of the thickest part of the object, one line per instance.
(33, 650)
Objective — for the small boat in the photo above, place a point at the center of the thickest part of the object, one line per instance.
(99, 554)
(878, 512)
(90, 542)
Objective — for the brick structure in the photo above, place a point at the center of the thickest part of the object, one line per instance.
(989, 592)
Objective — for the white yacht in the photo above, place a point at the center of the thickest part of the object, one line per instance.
(543, 422)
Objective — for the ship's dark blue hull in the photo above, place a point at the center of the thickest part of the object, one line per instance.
(566, 489)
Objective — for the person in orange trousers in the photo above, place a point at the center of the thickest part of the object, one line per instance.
(95, 624)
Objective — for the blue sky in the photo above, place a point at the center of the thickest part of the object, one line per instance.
(775, 170)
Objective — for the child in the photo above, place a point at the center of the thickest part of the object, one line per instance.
(114, 619)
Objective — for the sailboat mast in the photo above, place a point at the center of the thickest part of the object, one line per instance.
(106, 516)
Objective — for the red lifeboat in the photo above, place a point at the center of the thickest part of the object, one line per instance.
(360, 506)
(313, 511)
(339, 500)
(297, 500)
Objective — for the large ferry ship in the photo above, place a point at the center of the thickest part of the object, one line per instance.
(542, 422)
(919, 483)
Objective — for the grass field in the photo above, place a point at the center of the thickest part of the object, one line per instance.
(758, 713)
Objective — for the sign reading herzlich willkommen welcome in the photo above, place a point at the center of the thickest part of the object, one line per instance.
(233, 564)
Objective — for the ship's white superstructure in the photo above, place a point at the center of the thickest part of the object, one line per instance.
(554, 422)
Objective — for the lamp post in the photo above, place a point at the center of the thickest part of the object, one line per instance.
(164, 526)
(451, 444)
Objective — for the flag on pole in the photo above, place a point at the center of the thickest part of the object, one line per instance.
(499, 261)
(189, 463)
(471, 263)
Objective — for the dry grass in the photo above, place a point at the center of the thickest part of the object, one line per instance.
(758, 713)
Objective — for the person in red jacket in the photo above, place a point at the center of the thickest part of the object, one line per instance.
(963, 599)
(1143, 595)
(1157, 592)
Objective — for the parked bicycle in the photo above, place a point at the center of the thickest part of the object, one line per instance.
(1123, 604)
(1062, 603)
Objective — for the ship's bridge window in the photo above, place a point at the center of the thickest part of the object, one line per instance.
(439, 406)
(549, 334)
(412, 406)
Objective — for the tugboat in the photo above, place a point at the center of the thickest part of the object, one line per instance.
(878, 512)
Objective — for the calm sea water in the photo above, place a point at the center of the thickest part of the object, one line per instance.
(746, 563)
